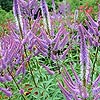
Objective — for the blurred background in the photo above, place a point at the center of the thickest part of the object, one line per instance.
(90, 6)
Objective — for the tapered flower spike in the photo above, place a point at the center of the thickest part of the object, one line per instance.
(93, 23)
(46, 17)
(41, 51)
(48, 70)
(7, 92)
(61, 31)
(8, 77)
(18, 17)
(90, 28)
(63, 56)
(2, 79)
(68, 76)
(65, 92)
(97, 81)
(83, 54)
(15, 7)
(78, 81)
(84, 57)
(64, 41)
(21, 69)
(71, 87)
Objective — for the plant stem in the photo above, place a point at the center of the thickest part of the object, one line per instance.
(96, 55)
(15, 83)
(32, 75)
(30, 68)
(21, 34)
(58, 66)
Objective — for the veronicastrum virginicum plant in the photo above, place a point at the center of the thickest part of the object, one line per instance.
(26, 39)
(84, 88)
(13, 52)
(29, 38)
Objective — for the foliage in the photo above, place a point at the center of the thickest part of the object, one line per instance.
(4, 20)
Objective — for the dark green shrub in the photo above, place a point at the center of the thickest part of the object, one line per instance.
(6, 5)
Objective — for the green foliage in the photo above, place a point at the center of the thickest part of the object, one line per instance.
(4, 16)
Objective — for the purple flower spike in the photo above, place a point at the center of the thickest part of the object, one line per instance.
(15, 5)
(6, 91)
(96, 82)
(65, 92)
(64, 41)
(48, 70)
(46, 16)
(65, 53)
(3, 64)
(68, 76)
(74, 90)
(8, 77)
(21, 69)
(2, 79)
(93, 23)
(75, 74)
(90, 28)
(84, 57)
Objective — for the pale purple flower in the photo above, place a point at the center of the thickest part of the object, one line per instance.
(2, 79)
(48, 70)
(63, 56)
(75, 89)
(84, 57)
(21, 69)
(21, 91)
(46, 16)
(8, 77)
(15, 7)
(6, 91)
(93, 23)
(67, 94)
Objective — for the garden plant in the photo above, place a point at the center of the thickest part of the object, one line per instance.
(50, 53)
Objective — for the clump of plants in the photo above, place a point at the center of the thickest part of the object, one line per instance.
(45, 55)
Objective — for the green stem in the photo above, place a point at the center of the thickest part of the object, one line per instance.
(96, 55)
(18, 19)
(58, 66)
(15, 83)
(30, 68)
(32, 75)
(21, 34)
